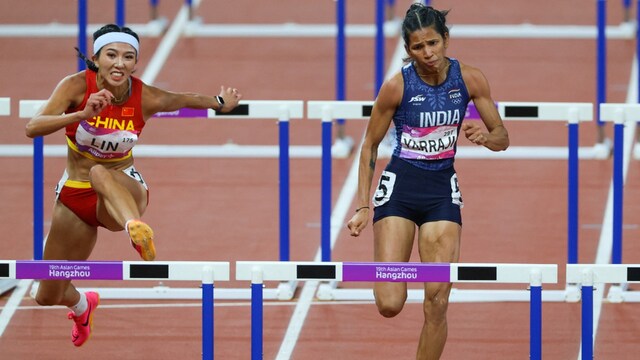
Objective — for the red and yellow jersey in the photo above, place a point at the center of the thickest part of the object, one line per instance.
(112, 134)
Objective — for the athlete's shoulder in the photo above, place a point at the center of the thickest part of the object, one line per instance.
(474, 79)
(469, 70)
(75, 79)
(392, 88)
(71, 88)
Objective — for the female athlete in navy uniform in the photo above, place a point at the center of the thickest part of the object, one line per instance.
(427, 102)
(103, 111)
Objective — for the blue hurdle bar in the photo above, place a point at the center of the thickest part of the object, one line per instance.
(532, 274)
(120, 12)
(589, 274)
(206, 272)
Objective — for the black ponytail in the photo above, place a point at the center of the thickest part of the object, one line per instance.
(90, 64)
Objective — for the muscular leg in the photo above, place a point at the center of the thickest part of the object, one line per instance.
(393, 240)
(438, 242)
(120, 198)
(69, 239)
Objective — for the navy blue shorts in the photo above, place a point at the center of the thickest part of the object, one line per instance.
(418, 195)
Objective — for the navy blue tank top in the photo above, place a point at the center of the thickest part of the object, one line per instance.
(428, 120)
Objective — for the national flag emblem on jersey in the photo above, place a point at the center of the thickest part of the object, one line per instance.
(128, 111)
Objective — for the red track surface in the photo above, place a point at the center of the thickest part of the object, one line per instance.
(226, 209)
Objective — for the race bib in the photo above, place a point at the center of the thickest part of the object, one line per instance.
(428, 143)
(104, 143)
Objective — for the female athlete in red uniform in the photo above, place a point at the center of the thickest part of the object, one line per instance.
(103, 111)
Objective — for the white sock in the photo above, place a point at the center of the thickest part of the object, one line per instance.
(82, 305)
(126, 225)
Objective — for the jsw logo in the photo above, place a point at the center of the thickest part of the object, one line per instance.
(418, 98)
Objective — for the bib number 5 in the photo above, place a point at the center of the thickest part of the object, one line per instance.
(456, 196)
(385, 188)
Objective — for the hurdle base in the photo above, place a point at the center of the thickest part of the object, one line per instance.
(602, 151)
(618, 293)
(6, 285)
(329, 291)
(572, 293)
(284, 291)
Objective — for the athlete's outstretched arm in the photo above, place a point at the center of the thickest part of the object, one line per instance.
(384, 107)
(158, 100)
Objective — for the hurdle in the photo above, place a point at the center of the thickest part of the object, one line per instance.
(573, 113)
(153, 28)
(206, 272)
(624, 117)
(532, 274)
(5, 110)
(588, 275)
(283, 110)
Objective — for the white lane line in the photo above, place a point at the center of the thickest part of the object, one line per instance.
(12, 305)
(603, 255)
(310, 287)
(167, 44)
(338, 216)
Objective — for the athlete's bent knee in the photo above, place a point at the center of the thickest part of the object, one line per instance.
(390, 306)
(98, 176)
(48, 299)
(389, 311)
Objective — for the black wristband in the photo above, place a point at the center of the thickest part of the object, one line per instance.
(360, 208)
(220, 101)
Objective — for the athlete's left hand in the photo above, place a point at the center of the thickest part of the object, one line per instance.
(474, 132)
(358, 222)
(231, 98)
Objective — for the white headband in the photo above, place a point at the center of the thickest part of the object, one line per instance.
(112, 37)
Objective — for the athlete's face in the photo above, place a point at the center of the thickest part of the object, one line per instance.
(117, 62)
(428, 48)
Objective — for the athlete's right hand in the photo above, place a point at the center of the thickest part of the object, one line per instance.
(96, 103)
(358, 222)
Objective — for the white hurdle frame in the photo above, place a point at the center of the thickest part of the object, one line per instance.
(573, 113)
(590, 276)
(207, 272)
(624, 116)
(532, 274)
(5, 110)
(283, 110)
